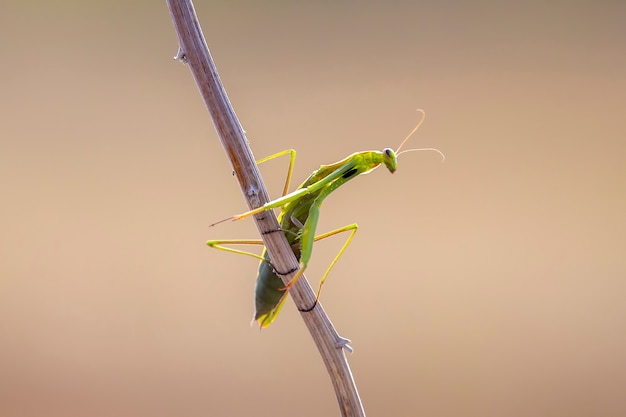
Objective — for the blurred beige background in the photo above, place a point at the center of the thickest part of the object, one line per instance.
(493, 284)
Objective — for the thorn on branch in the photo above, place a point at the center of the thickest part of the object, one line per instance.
(181, 56)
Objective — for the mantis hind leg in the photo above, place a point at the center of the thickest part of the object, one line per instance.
(352, 228)
(219, 244)
(267, 318)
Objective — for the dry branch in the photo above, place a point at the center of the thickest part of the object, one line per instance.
(194, 51)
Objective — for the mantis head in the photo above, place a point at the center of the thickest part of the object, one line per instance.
(390, 159)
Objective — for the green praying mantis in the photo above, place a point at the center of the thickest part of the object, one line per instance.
(298, 218)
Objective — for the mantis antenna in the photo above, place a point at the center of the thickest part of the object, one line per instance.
(398, 153)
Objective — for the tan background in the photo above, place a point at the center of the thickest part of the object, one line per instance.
(491, 285)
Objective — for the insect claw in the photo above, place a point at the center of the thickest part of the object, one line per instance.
(286, 287)
(306, 310)
(295, 278)
(267, 232)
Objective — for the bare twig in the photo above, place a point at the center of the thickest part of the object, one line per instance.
(194, 51)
